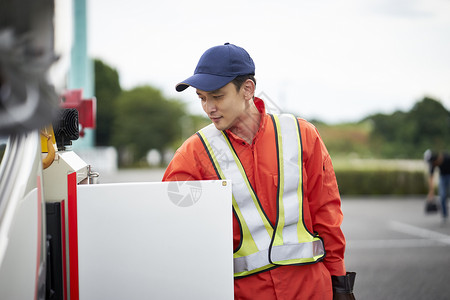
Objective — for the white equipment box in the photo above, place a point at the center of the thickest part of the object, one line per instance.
(169, 240)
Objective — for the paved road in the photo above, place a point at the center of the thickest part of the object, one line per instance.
(397, 250)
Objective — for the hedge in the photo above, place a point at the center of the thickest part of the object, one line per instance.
(381, 182)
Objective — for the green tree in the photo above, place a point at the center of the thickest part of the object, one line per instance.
(390, 135)
(107, 89)
(408, 134)
(432, 125)
(145, 120)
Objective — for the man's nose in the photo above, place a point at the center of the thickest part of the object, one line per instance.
(210, 106)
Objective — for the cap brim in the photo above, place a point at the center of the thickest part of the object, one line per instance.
(204, 82)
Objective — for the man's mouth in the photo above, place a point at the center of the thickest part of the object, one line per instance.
(215, 119)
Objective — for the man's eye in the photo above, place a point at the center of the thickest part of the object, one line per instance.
(217, 96)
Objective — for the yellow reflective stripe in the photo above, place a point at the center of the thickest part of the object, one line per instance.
(278, 237)
(290, 179)
(213, 156)
(293, 177)
(252, 263)
(297, 253)
(296, 245)
(290, 242)
(249, 188)
(290, 228)
(254, 271)
(303, 253)
(250, 245)
(253, 224)
(289, 130)
(303, 234)
(246, 199)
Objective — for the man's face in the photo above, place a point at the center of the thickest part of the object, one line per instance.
(224, 106)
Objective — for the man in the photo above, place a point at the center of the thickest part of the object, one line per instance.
(287, 238)
(442, 161)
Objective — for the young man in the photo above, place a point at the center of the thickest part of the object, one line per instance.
(287, 238)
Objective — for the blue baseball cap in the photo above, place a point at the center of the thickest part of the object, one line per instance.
(217, 67)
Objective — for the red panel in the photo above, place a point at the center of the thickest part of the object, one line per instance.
(73, 234)
(87, 108)
(71, 98)
(86, 111)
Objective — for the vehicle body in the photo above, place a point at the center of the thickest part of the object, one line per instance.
(55, 240)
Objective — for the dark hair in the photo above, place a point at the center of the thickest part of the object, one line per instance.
(239, 80)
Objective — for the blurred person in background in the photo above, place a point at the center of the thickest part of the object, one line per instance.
(440, 160)
(288, 243)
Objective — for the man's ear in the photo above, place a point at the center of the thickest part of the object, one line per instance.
(249, 89)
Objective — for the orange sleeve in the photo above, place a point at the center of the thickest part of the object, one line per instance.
(190, 162)
(323, 198)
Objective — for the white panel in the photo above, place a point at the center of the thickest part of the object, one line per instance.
(170, 240)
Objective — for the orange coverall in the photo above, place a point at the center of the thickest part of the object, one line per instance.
(321, 207)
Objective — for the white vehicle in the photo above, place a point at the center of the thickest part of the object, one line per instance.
(63, 237)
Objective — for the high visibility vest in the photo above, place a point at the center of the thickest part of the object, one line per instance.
(264, 246)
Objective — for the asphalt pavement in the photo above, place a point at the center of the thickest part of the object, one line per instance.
(397, 251)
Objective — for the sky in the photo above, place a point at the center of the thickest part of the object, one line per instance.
(337, 61)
